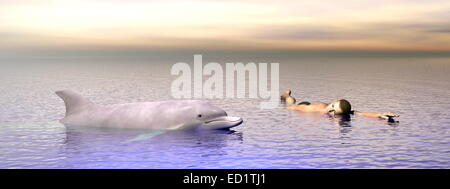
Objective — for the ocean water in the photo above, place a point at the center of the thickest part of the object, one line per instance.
(417, 88)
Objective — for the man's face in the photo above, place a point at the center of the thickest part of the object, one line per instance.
(334, 108)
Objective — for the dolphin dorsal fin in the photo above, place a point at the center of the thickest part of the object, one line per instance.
(73, 101)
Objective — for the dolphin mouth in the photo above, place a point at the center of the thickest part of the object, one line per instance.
(223, 122)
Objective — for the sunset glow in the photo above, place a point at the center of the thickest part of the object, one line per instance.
(203, 24)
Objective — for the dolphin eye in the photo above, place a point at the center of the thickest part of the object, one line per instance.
(199, 115)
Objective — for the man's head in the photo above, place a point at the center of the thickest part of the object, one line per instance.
(340, 107)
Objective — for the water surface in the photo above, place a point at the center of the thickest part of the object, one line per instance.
(417, 88)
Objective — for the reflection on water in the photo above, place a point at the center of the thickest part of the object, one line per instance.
(343, 121)
(160, 151)
(417, 89)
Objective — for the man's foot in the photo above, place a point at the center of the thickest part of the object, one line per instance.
(285, 94)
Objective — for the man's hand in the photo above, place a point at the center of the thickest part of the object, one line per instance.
(388, 115)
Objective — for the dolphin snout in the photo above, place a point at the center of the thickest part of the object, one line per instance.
(223, 122)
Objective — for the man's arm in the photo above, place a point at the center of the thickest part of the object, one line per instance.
(384, 115)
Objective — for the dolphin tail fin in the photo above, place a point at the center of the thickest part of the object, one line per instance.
(73, 101)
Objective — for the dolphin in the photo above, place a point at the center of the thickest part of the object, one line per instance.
(161, 115)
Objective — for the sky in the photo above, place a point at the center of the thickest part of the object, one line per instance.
(422, 25)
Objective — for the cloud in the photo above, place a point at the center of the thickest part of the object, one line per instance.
(443, 30)
(309, 33)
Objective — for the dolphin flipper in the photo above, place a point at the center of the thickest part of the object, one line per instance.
(146, 136)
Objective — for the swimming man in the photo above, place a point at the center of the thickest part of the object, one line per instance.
(338, 107)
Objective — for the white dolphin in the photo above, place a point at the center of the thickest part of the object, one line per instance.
(163, 115)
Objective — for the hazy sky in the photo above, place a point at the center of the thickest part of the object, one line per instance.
(225, 24)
